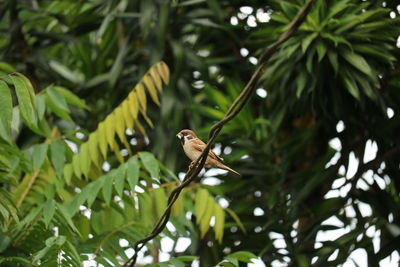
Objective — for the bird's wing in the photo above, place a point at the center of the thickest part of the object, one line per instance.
(200, 146)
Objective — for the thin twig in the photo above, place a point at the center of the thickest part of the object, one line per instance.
(235, 108)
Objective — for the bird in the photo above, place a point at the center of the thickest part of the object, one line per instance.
(193, 148)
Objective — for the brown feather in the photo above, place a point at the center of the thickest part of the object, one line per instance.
(200, 146)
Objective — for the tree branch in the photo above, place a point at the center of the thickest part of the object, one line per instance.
(235, 108)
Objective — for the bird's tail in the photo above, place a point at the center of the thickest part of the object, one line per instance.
(224, 167)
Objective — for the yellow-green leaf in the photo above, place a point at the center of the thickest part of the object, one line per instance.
(200, 203)
(177, 208)
(205, 220)
(102, 139)
(141, 97)
(236, 219)
(151, 88)
(145, 208)
(76, 165)
(94, 148)
(133, 105)
(160, 201)
(140, 127)
(219, 222)
(127, 115)
(120, 127)
(156, 78)
(85, 159)
(68, 173)
(164, 71)
(115, 147)
(109, 124)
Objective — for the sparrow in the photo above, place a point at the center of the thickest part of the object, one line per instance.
(193, 148)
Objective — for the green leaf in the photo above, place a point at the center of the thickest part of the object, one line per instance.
(232, 260)
(359, 62)
(175, 262)
(210, 112)
(65, 72)
(187, 258)
(336, 39)
(57, 98)
(244, 256)
(93, 189)
(119, 178)
(71, 98)
(3, 133)
(57, 155)
(67, 217)
(25, 97)
(4, 66)
(41, 106)
(145, 208)
(132, 172)
(107, 188)
(307, 41)
(310, 60)
(56, 102)
(6, 106)
(5, 241)
(351, 85)
(38, 155)
(236, 219)
(337, 7)
(150, 163)
(333, 60)
(321, 50)
(48, 211)
(301, 83)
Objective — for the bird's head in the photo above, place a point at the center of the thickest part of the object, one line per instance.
(186, 134)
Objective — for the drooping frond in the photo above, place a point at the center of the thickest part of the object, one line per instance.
(125, 116)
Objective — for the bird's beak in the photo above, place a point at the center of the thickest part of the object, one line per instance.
(179, 135)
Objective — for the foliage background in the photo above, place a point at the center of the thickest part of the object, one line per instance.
(318, 145)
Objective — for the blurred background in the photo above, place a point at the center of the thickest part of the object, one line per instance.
(318, 145)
